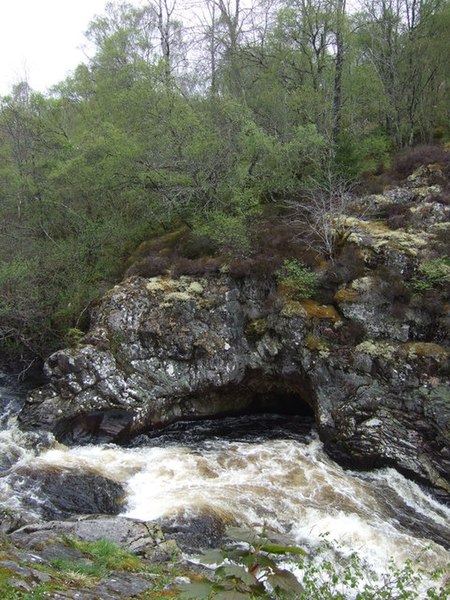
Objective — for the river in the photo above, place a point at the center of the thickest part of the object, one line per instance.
(248, 471)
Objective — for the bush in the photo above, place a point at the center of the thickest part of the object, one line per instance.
(397, 216)
(229, 232)
(202, 266)
(349, 265)
(362, 156)
(149, 266)
(432, 301)
(259, 266)
(412, 158)
(298, 280)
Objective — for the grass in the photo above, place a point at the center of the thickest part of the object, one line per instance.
(98, 560)
(103, 556)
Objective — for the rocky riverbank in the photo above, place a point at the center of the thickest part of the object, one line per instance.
(368, 357)
(87, 558)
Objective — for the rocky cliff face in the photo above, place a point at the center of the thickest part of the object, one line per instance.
(372, 365)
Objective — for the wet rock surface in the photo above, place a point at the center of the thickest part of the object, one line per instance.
(163, 349)
(58, 495)
(194, 533)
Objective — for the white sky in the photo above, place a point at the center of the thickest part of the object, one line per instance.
(41, 40)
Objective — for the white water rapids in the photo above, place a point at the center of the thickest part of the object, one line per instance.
(274, 476)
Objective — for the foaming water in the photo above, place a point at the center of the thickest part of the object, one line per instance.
(291, 485)
(250, 471)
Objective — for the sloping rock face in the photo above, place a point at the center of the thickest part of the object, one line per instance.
(372, 367)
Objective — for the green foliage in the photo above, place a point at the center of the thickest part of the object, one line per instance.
(134, 143)
(102, 557)
(6, 589)
(356, 156)
(260, 168)
(350, 577)
(245, 571)
(252, 567)
(74, 336)
(297, 279)
(107, 556)
(432, 274)
(72, 577)
(229, 232)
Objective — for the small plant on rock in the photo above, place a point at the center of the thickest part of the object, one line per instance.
(298, 280)
(432, 274)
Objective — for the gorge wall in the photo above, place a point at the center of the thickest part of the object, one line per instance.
(371, 364)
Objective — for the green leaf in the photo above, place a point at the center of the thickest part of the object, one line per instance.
(279, 549)
(285, 581)
(242, 534)
(261, 559)
(196, 590)
(237, 572)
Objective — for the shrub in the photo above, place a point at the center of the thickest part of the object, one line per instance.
(196, 246)
(347, 266)
(319, 214)
(245, 572)
(259, 265)
(432, 274)
(432, 301)
(397, 216)
(297, 279)
(185, 266)
(149, 266)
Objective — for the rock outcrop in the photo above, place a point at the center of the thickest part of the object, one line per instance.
(372, 366)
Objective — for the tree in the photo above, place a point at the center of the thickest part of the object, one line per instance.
(399, 45)
(320, 213)
(339, 67)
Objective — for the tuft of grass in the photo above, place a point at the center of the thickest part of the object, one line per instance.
(78, 569)
(106, 556)
(6, 590)
(79, 579)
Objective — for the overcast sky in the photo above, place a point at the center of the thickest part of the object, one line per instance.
(41, 40)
